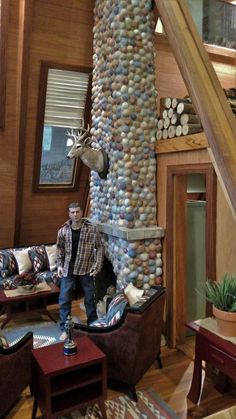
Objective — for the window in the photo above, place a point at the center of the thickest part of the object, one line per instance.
(64, 101)
(3, 45)
(215, 21)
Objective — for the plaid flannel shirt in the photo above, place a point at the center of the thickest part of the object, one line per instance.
(90, 250)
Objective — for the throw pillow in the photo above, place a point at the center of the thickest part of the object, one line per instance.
(3, 342)
(38, 257)
(8, 263)
(52, 256)
(23, 260)
(114, 312)
(116, 309)
(133, 294)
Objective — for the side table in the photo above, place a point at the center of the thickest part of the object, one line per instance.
(61, 383)
(215, 350)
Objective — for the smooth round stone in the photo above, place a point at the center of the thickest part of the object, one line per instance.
(152, 254)
(159, 262)
(158, 280)
(132, 253)
(133, 275)
(158, 271)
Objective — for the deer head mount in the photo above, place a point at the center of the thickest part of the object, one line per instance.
(96, 160)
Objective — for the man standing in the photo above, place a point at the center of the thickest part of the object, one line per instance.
(79, 257)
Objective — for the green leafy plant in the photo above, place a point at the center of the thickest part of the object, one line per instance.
(222, 294)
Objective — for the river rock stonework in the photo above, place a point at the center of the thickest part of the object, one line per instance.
(124, 123)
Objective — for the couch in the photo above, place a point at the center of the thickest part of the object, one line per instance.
(130, 336)
(39, 259)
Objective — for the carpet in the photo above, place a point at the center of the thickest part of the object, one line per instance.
(149, 406)
(44, 332)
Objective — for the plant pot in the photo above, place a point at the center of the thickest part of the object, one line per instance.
(226, 322)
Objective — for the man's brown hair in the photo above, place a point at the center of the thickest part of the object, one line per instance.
(74, 205)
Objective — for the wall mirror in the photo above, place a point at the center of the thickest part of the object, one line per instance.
(64, 101)
(4, 4)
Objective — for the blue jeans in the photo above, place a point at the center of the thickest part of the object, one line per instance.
(65, 298)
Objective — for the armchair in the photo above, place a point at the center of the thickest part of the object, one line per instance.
(15, 367)
(133, 343)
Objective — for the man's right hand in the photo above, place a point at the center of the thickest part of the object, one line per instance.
(60, 271)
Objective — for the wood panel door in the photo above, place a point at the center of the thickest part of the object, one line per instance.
(176, 237)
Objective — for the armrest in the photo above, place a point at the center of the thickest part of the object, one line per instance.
(142, 305)
(104, 329)
(22, 342)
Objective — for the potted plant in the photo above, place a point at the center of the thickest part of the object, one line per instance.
(222, 295)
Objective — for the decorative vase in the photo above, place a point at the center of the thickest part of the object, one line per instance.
(226, 322)
(25, 289)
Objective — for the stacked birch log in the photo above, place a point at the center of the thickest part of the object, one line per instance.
(231, 96)
(178, 117)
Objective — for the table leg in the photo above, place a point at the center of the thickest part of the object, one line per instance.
(35, 408)
(46, 312)
(222, 383)
(103, 409)
(50, 316)
(195, 389)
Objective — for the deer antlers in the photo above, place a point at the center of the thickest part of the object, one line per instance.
(79, 133)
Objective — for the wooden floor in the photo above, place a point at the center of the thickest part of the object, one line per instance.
(171, 383)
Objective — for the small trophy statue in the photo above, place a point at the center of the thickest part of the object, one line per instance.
(70, 347)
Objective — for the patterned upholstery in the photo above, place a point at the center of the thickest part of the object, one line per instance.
(114, 312)
(8, 263)
(48, 276)
(38, 257)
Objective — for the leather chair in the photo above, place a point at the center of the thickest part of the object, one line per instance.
(15, 368)
(133, 343)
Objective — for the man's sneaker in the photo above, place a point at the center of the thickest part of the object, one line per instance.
(63, 336)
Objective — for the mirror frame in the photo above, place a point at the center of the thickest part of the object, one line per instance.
(57, 187)
(3, 59)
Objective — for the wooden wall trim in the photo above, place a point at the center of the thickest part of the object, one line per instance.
(3, 59)
(173, 231)
(204, 88)
(25, 13)
(184, 143)
(227, 54)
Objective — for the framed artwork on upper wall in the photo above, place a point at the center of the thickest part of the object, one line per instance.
(4, 6)
(64, 102)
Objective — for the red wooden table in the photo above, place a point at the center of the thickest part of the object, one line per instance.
(63, 383)
(27, 304)
(218, 352)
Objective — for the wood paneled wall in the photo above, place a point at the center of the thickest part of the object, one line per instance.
(61, 31)
(170, 83)
(58, 31)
